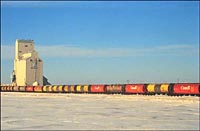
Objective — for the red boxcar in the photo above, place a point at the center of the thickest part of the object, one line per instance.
(134, 88)
(97, 88)
(37, 88)
(29, 88)
(186, 88)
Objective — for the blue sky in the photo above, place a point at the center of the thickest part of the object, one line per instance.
(105, 42)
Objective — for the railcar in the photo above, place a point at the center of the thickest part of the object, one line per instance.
(69, 88)
(116, 88)
(186, 89)
(38, 89)
(16, 88)
(150, 89)
(135, 89)
(166, 89)
(97, 88)
(3, 88)
(82, 89)
(22, 88)
(9, 88)
(29, 88)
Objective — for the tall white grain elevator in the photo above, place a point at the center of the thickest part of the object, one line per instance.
(28, 67)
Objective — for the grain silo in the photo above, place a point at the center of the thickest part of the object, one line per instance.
(28, 67)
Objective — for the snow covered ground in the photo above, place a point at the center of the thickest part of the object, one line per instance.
(26, 111)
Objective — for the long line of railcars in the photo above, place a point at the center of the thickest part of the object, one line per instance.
(145, 89)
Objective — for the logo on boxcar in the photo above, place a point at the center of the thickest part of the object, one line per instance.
(133, 87)
(97, 87)
(185, 87)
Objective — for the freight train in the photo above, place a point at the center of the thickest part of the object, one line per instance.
(171, 89)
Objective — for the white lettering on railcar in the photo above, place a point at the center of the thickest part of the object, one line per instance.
(185, 87)
(97, 87)
(133, 87)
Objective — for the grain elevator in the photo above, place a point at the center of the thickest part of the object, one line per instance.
(28, 67)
